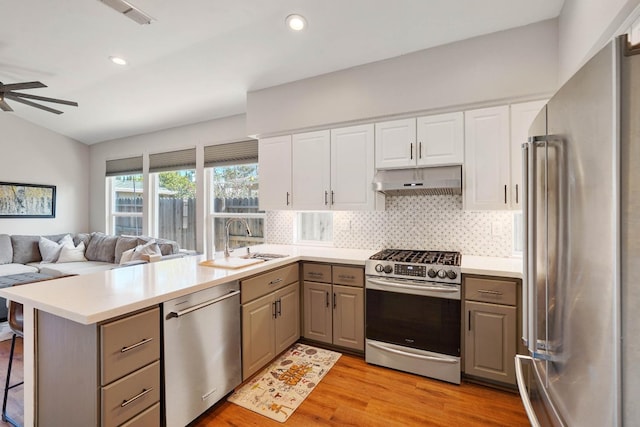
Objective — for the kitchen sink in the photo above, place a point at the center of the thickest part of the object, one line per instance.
(263, 256)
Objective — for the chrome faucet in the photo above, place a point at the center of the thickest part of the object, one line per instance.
(228, 251)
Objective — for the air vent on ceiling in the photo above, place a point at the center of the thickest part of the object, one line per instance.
(129, 10)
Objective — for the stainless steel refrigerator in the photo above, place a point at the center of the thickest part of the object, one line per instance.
(581, 295)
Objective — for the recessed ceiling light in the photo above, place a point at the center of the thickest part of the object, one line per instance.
(296, 22)
(118, 60)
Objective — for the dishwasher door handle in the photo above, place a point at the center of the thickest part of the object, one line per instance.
(201, 305)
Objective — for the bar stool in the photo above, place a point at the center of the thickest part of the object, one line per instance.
(16, 324)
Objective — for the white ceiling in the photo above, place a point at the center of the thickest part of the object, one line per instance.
(199, 58)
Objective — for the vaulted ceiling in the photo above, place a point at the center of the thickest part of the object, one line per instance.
(198, 58)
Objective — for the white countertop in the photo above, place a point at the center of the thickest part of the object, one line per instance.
(93, 298)
(492, 266)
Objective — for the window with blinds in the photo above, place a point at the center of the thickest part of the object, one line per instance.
(172, 161)
(125, 186)
(232, 173)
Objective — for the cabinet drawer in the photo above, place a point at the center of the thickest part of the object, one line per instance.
(150, 417)
(128, 344)
(488, 290)
(316, 272)
(130, 395)
(262, 284)
(350, 276)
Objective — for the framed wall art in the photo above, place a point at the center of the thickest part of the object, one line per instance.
(27, 200)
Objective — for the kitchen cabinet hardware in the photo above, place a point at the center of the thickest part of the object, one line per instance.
(327, 299)
(202, 305)
(136, 397)
(275, 281)
(347, 277)
(420, 150)
(279, 307)
(326, 194)
(334, 300)
(411, 150)
(288, 198)
(333, 200)
(505, 194)
(486, 291)
(517, 194)
(136, 345)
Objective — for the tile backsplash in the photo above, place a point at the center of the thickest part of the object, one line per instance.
(412, 222)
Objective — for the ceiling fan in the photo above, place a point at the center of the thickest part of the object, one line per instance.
(8, 92)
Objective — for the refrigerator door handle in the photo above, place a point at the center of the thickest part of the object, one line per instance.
(525, 259)
(524, 393)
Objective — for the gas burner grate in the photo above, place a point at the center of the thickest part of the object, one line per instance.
(418, 257)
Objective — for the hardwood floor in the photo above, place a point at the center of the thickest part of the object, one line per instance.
(15, 407)
(353, 394)
(357, 394)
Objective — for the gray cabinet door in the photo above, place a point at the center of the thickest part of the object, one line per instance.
(490, 345)
(348, 317)
(317, 312)
(258, 334)
(287, 323)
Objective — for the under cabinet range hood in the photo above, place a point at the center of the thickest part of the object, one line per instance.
(436, 180)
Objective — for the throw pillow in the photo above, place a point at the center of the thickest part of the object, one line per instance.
(143, 251)
(123, 244)
(126, 256)
(101, 248)
(71, 253)
(50, 250)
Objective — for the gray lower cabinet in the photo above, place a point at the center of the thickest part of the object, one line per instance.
(270, 316)
(104, 374)
(334, 305)
(490, 329)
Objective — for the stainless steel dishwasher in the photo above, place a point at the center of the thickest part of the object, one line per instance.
(202, 360)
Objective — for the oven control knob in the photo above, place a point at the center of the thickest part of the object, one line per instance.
(379, 268)
(388, 269)
(442, 274)
(432, 273)
(451, 274)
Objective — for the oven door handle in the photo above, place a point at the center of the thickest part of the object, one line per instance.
(392, 285)
(416, 356)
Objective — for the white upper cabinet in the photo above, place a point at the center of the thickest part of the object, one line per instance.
(274, 169)
(486, 159)
(441, 139)
(522, 116)
(396, 144)
(311, 170)
(426, 141)
(352, 168)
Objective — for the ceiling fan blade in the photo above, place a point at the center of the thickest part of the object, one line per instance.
(4, 106)
(44, 98)
(31, 104)
(18, 86)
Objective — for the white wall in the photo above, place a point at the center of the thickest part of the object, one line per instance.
(35, 155)
(516, 64)
(585, 27)
(198, 135)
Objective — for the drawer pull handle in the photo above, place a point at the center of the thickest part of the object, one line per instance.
(136, 397)
(485, 291)
(346, 277)
(131, 347)
(275, 281)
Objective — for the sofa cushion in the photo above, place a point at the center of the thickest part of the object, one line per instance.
(80, 267)
(101, 247)
(71, 253)
(123, 244)
(82, 237)
(7, 269)
(25, 249)
(142, 252)
(6, 250)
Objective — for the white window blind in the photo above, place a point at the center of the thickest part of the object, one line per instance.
(128, 166)
(172, 160)
(234, 153)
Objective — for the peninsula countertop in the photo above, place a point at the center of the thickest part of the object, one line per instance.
(96, 297)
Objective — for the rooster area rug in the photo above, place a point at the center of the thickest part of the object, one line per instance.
(281, 387)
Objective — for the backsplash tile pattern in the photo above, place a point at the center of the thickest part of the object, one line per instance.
(412, 222)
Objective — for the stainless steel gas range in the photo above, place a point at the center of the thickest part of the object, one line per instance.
(413, 312)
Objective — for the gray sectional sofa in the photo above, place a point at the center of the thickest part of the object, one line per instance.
(21, 254)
